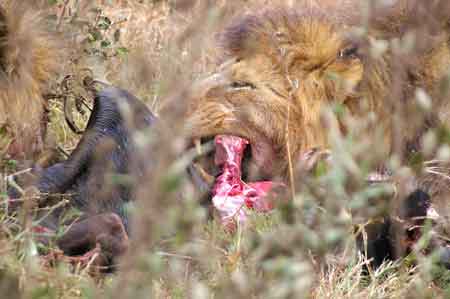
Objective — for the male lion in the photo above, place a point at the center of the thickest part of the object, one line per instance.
(284, 66)
(29, 57)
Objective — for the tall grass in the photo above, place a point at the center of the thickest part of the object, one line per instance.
(304, 249)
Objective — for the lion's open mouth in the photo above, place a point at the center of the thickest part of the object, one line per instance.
(231, 195)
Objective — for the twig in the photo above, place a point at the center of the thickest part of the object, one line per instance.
(10, 181)
(61, 16)
(179, 256)
(289, 156)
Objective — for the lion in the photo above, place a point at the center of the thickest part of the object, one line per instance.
(29, 56)
(284, 66)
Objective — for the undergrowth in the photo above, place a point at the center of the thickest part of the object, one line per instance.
(304, 249)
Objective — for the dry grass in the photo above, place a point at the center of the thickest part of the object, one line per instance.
(177, 253)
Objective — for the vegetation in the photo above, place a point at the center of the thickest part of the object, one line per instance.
(303, 249)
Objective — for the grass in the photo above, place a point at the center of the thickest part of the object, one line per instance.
(303, 250)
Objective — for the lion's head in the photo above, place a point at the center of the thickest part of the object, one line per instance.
(283, 66)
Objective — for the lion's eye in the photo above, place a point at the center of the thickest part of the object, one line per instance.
(349, 53)
(238, 85)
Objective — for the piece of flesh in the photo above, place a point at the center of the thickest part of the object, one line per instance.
(232, 197)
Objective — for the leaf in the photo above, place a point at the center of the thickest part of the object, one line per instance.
(94, 35)
(117, 35)
(122, 51)
(104, 23)
(105, 43)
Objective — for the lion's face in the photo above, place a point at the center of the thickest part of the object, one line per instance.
(286, 66)
(283, 69)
